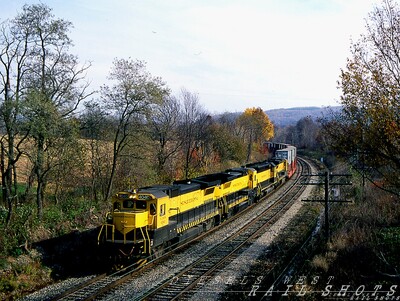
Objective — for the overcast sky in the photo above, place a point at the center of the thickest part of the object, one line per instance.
(234, 54)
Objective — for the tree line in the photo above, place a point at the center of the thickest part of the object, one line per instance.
(59, 137)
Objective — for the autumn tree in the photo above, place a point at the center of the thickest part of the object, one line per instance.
(256, 128)
(227, 140)
(367, 131)
(130, 99)
(229, 147)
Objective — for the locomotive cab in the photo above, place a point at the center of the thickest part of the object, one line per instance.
(127, 225)
(134, 220)
(129, 214)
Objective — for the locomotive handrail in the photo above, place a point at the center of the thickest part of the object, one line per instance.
(152, 225)
(98, 236)
(101, 231)
(145, 237)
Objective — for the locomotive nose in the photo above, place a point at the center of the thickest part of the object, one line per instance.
(127, 221)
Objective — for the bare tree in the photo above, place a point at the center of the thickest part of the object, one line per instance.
(14, 52)
(164, 132)
(96, 128)
(307, 133)
(227, 146)
(194, 124)
(129, 100)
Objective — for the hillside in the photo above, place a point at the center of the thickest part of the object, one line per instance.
(284, 117)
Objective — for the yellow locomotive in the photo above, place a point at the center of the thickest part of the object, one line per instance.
(144, 222)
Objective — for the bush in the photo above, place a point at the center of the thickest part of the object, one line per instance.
(17, 233)
(20, 270)
(58, 219)
(23, 273)
(365, 240)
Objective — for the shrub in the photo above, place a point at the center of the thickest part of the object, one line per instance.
(365, 239)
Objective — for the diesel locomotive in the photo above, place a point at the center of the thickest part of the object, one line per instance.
(146, 221)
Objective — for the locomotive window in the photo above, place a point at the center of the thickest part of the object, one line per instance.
(140, 204)
(209, 190)
(128, 204)
(117, 206)
(153, 209)
(162, 210)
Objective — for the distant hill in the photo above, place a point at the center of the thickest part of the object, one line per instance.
(284, 117)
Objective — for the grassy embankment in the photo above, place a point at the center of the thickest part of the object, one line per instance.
(364, 248)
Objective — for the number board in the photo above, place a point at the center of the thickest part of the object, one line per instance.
(144, 197)
(123, 196)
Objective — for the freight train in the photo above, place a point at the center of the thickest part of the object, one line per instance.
(146, 221)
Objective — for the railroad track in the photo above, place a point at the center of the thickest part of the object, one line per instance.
(289, 254)
(184, 283)
(90, 289)
(297, 259)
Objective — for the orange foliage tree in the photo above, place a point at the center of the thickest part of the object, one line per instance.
(255, 128)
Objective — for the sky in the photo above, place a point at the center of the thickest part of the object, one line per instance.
(234, 54)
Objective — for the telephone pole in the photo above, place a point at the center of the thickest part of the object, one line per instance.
(327, 179)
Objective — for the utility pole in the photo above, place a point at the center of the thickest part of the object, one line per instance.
(328, 181)
(326, 205)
